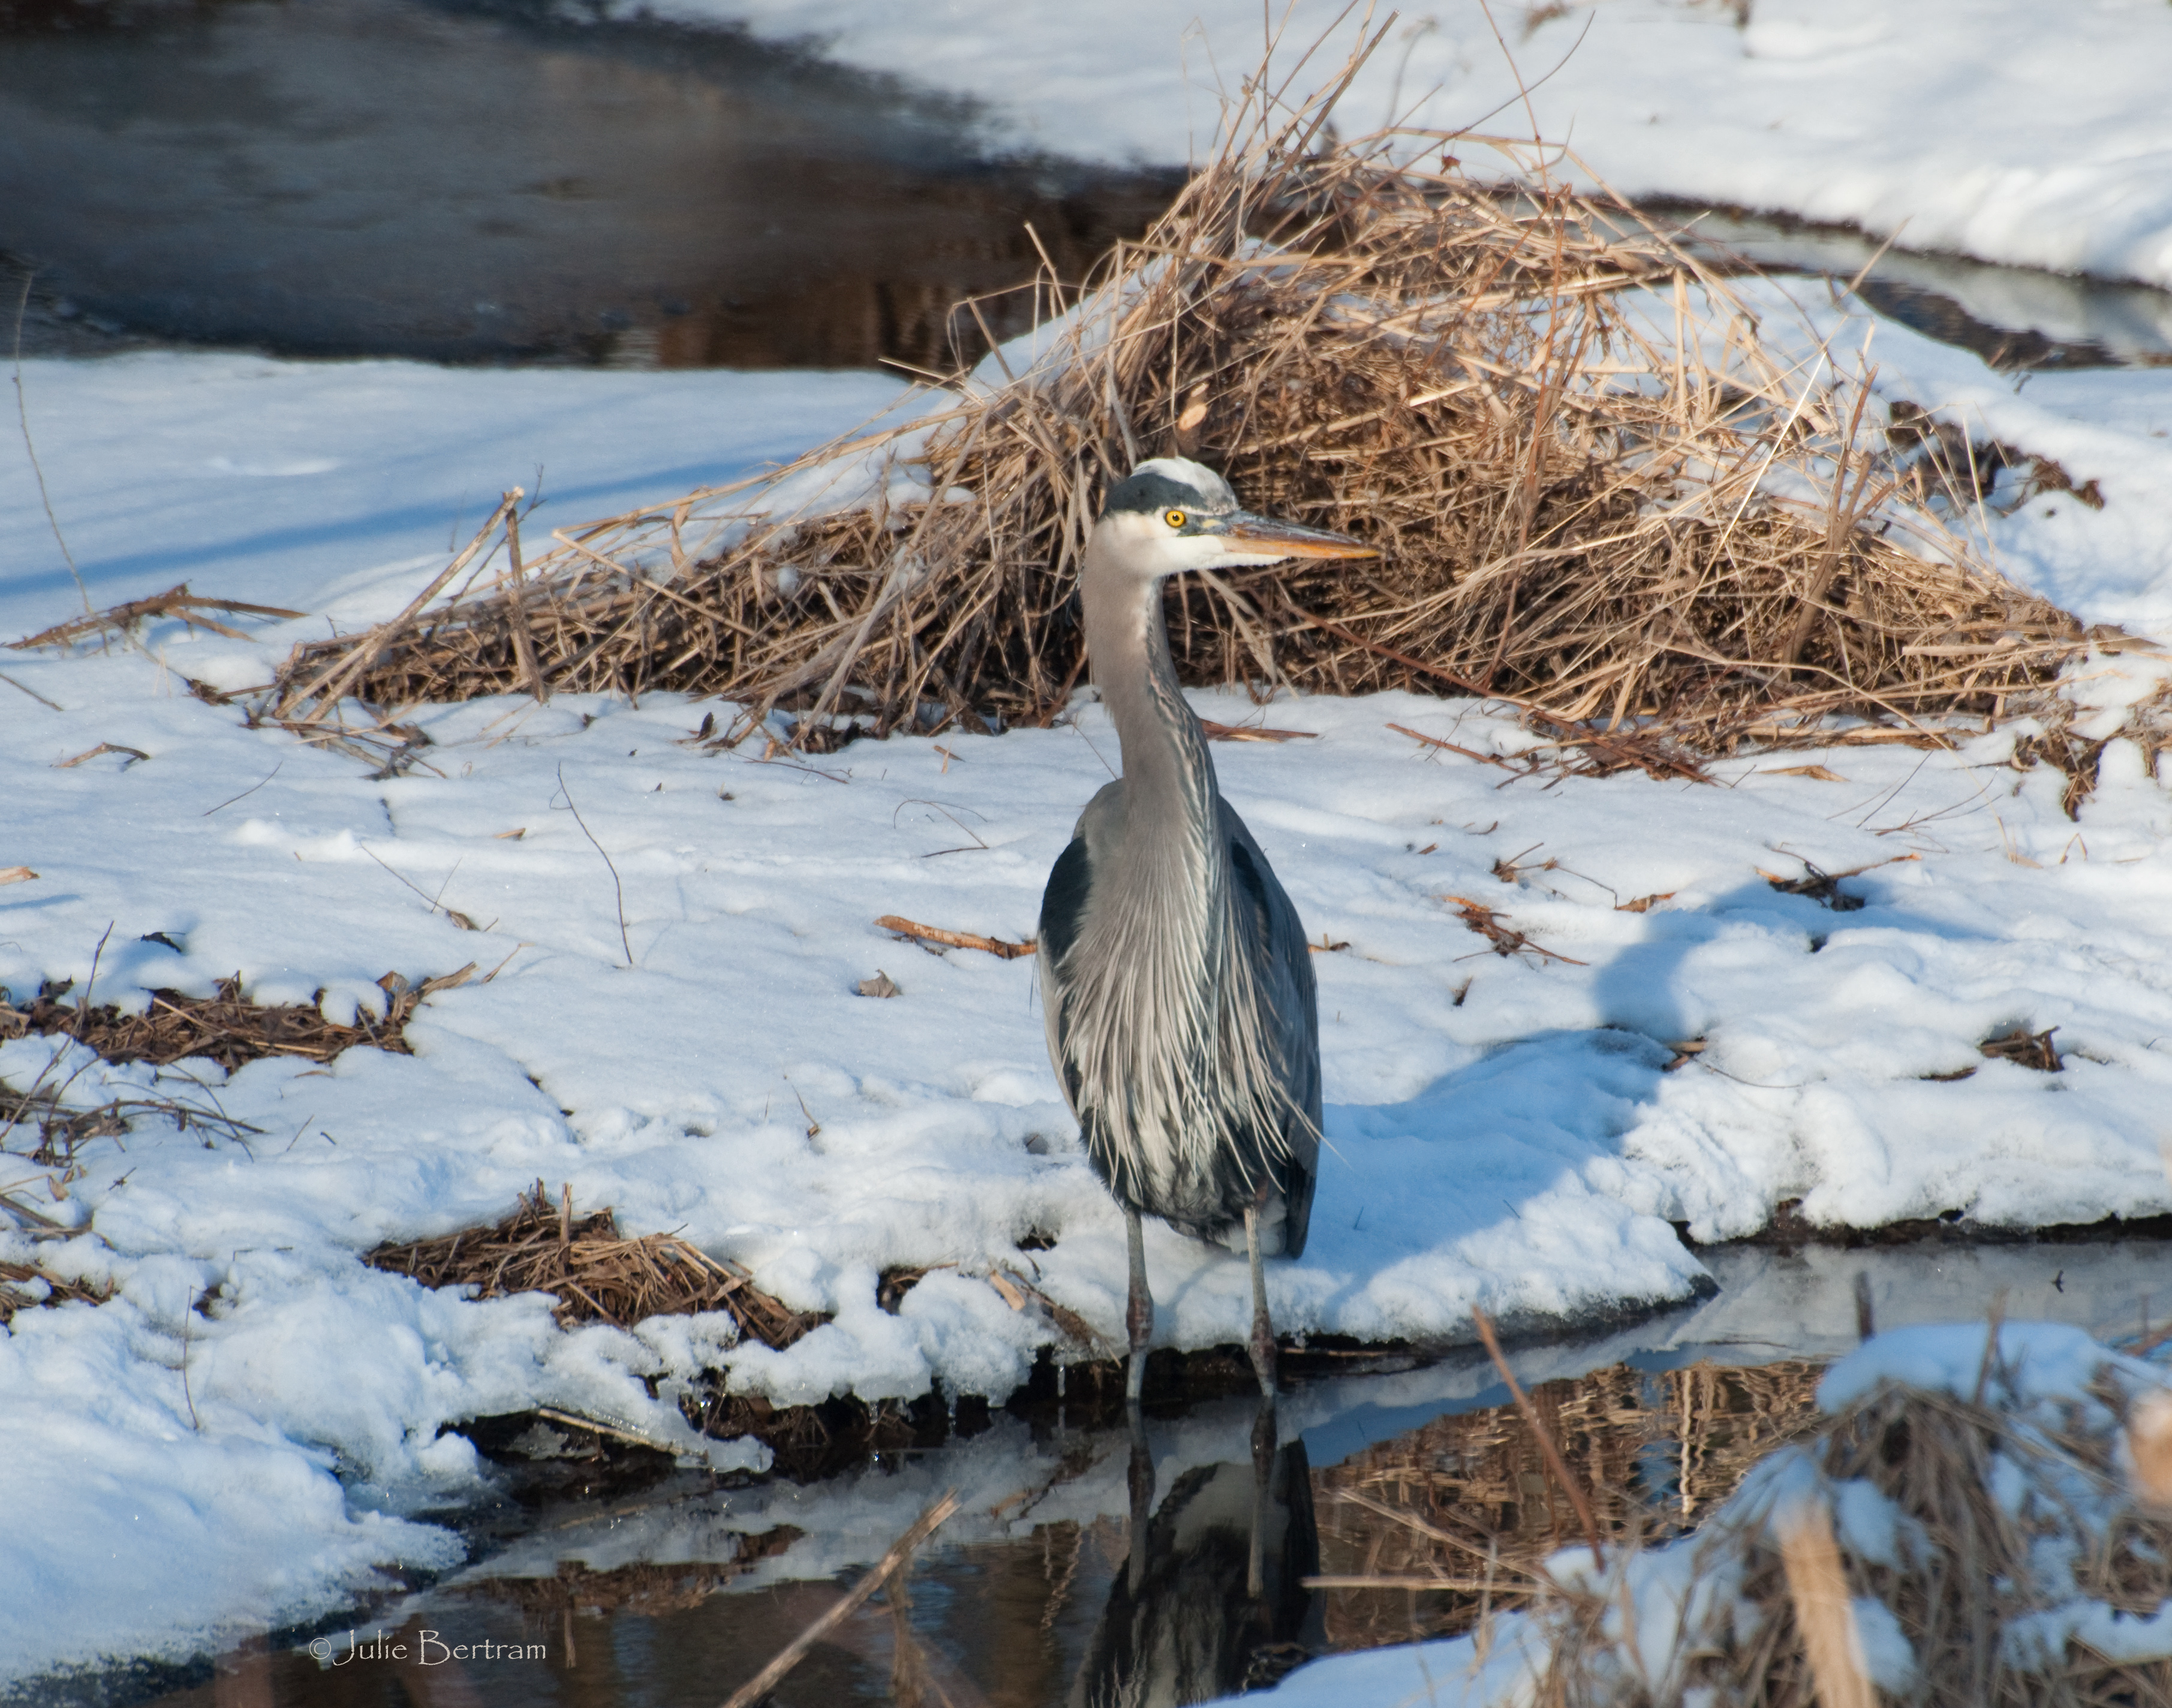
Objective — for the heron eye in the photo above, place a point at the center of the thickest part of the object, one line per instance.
(1174, 518)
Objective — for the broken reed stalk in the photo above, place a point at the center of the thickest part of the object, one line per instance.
(1600, 497)
(901, 1551)
(1817, 1585)
(175, 602)
(1554, 1461)
(955, 939)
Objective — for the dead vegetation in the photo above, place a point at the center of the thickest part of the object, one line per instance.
(2012, 1545)
(26, 1284)
(175, 602)
(1464, 1511)
(226, 1026)
(1600, 497)
(598, 1274)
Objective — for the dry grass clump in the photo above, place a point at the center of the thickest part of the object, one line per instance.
(25, 1285)
(598, 1274)
(226, 1027)
(1423, 1535)
(1599, 497)
(2008, 1539)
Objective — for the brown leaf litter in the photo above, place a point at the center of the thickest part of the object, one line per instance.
(1653, 547)
(1506, 940)
(1824, 887)
(598, 1274)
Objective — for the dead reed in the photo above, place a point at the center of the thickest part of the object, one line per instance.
(598, 1274)
(2005, 1548)
(226, 1028)
(1425, 1534)
(24, 1284)
(1600, 497)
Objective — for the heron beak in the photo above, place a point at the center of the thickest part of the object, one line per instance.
(1245, 532)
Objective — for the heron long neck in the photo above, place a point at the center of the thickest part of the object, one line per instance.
(1168, 777)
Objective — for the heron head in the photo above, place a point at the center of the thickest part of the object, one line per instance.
(1171, 515)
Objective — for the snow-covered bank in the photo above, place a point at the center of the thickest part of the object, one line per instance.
(1505, 1132)
(328, 484)
(1513, 1132)
(2033, 135)
(1669, 1620)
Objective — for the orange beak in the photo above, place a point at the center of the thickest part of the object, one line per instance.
(1245, 532)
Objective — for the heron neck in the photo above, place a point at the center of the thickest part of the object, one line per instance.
(1167, 768)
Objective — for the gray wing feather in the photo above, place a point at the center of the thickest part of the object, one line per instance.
(1291, 1019)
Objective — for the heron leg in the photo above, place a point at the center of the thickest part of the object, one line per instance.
(1142, 1488)
(1138, 1317)
(1263, 1328)
(1263, 1443)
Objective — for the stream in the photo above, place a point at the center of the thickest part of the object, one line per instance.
(675, 1589)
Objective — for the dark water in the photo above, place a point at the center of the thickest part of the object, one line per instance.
(1080, 1571)
(496, 180)
(513, 180)
(2016, 319)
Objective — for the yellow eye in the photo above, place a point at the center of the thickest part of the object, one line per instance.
(1174, 518)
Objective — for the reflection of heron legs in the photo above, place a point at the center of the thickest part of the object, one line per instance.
(1138, 1318)
(1264, 1434)
(1141, 1481)
(1263, 1329)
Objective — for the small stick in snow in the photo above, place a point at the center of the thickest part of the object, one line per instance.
(133, 753)
(769, 1676)
(955, 939)
(618, 888)
(1530, 1413)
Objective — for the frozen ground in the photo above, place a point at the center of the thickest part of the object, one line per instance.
(1505, 1131)
(2014, 132)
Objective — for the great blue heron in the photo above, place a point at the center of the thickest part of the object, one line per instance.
(1173, 974)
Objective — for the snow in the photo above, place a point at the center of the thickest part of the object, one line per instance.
(2031, 135)
(1512, 1133)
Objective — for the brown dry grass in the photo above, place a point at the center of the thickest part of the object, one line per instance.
(1631, 520)
(24, 1285)
(226, 1028)
(598, 1274)
(1973, 1565)
(1461, 1514)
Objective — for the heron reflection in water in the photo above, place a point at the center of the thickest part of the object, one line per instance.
(1212, 1600)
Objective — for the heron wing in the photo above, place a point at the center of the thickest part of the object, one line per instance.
(1290, 1016)
(1063, 908)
